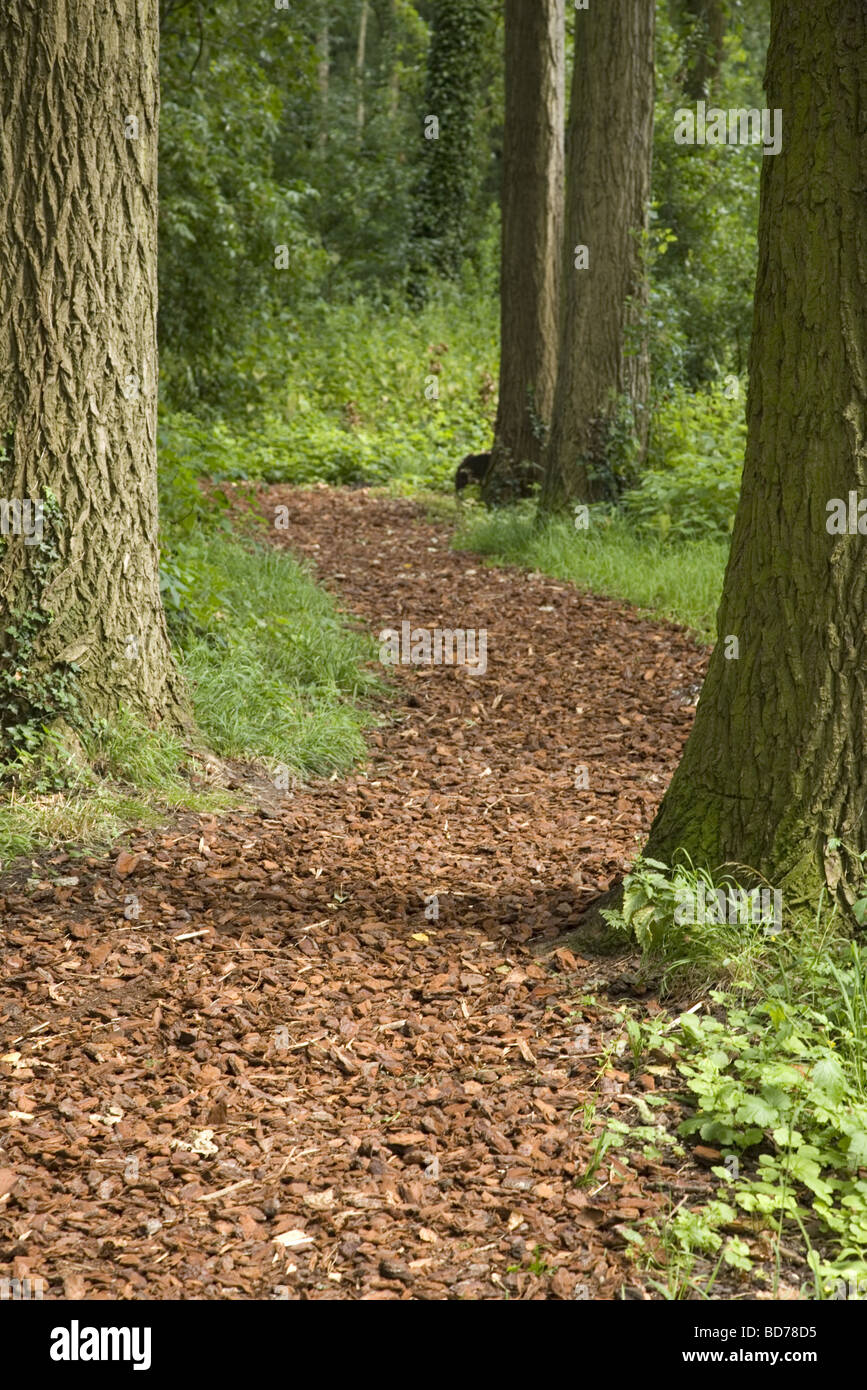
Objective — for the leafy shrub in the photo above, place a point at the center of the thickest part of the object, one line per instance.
(695, 461)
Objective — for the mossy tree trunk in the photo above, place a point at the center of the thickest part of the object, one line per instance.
(532, 231)
(599, 424)
(81, 609)
(447, 182)
(776, 763)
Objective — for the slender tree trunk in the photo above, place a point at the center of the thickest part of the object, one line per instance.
(449, 172)
(394, 52)
(323, 70)
(359, 66)
(776, 763)
(706, 46)
(532, 232)
(599, 425)
(79, 100)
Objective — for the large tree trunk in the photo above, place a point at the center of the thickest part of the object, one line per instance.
(79, 99)
(532, 231)
(599, 423)
(777, 760)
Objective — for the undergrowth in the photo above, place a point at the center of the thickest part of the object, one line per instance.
(773, 1062)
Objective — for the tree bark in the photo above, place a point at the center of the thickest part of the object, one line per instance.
(776, 763)
(323, 72)
(599, 425)
(532, 232)
(359, 67)
(449, 174)
(79, 102)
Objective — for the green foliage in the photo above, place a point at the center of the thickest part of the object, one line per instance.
(705, 213)
(363, 177)
(777, 1069)
(225, 89)
(692, 482)
(351, 403)
(33, 693)
(702, 927)
(444, 194)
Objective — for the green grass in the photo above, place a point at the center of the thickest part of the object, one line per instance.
(274, 672)
(680, 581)
(276, 677)
(75, 793)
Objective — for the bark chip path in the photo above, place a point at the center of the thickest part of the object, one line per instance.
(309, 1053)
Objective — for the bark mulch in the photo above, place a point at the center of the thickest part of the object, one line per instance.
(311, 1052)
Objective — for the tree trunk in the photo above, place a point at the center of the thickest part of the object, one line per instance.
(359, 67)
(394, 74)
(79, 102)
(706, 46)
(532, 233)
(599, 425)
(323, 70)
(775, 763)
(444, 192)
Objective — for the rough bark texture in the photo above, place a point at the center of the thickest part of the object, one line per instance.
(79, 97)
(532, 232)
(777, 760)
(603, 364)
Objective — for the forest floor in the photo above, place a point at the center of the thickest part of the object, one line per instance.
(287, 1071)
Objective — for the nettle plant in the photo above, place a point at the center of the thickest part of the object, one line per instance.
(786, 1080)
(695, 457)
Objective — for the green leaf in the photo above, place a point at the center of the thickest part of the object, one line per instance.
(828, 1076)
(754, 1110)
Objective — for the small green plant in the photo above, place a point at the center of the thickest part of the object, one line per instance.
(605, 1140)
(696, 926)
(776, 1072)
(683, 1245)
(538, 1265)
